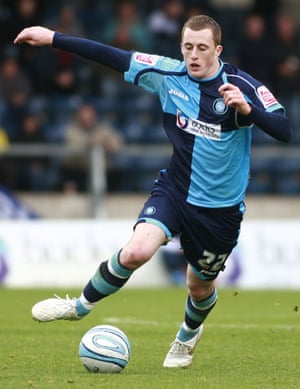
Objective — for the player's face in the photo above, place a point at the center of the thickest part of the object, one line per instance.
(200, 53)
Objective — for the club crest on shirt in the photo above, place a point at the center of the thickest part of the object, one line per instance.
(219, 106)
(150, 211)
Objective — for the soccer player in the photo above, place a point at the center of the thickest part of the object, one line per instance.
(209, 109)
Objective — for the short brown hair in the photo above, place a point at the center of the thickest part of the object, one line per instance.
(201, 22)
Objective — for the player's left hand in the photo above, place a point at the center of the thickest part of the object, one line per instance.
(233, 97)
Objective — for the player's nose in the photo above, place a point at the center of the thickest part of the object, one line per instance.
(194, 54)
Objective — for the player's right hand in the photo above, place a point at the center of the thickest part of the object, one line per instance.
(233, 97)
(35, 36)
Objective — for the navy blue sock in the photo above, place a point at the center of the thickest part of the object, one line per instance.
(197, 311)
(108, 279)
(195, 314)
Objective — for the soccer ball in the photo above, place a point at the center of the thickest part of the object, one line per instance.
(104, 349)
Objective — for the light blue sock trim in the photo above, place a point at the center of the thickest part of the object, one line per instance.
(81, 310)
(208, 303)
(202, 307)
(184, 334)
(118, 270)
(102, 286)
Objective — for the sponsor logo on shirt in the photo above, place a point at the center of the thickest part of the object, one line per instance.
(198, 127)
(266, 96)
(179, 94)
(147, 59)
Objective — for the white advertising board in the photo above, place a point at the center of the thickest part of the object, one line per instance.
(66, 254)
(270, 254)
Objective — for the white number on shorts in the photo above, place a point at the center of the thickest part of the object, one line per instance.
(211, 261)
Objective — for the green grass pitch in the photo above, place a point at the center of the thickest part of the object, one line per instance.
(251, 340)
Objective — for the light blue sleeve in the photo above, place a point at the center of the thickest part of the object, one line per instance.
(148, 71)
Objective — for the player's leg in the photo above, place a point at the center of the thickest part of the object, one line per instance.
(202, 297)
(111, 275)
(208, 238)
(154, 225)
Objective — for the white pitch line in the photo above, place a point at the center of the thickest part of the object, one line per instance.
(288, 327)
(130, 320)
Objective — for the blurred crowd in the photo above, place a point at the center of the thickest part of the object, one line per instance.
(49, 96)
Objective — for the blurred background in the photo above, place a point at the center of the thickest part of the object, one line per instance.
(76, 142)
(70, 127)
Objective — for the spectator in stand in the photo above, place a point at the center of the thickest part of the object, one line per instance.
(256, 55)
(67, 21)
(66, 77)
(53, 75)
(94, 14)
(60, 77)
(196, 7)
(36, 173)
(5, 19)
(126, 30)
(19, 14)
(15, 90)
(267, 10)
(165, 25)
(288, 67)
(256, 50)
(85, 18)
(232, 15)
(4, 141)
(6, 168)
(86, 132)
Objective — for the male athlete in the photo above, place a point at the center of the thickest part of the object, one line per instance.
(209, 109)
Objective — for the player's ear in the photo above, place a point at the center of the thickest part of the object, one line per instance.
(219, 50)
(181, 48)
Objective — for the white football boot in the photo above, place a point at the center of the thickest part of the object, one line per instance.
(181, 353)
(55, 309)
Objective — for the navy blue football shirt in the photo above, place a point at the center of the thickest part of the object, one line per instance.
(211, 158)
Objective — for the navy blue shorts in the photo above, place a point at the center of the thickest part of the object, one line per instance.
(207, 235)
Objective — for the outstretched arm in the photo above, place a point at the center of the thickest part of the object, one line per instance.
(106, 55)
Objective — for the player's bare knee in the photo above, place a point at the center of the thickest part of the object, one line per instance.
(200, 292)
(134, 256)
